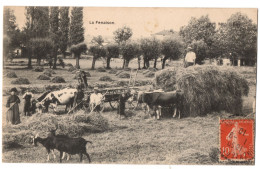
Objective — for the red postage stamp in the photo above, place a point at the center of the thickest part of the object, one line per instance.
(237, 139)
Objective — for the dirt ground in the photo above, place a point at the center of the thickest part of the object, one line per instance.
(138, 139)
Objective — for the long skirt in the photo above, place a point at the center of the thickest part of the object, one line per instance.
(13, 115)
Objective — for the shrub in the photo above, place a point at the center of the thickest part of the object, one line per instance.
(124, 75)
(43, 77)
(20, 81)
(105, 78)
(38, 69)
(11, 75)
(206, 88)
(58, 79)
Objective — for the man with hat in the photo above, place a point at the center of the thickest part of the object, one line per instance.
(27, 104)
(13, 115)
(122, 99)
(95, 100)
(190, 58)
(79, 96)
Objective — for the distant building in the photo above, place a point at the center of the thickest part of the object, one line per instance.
(162, 34)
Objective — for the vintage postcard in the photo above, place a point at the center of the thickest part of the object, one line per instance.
(129, 85)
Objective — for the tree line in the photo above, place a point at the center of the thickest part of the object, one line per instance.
(51, 29)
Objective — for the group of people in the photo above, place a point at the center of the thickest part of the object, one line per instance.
(13, 101)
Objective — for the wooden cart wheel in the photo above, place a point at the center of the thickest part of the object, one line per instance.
(113, 104)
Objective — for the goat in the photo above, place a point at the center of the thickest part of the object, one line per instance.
(47, 143)
(71, 146)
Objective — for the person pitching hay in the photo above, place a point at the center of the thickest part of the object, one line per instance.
(13, 115)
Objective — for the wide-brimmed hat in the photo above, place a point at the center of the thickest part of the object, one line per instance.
(95, 88)
(13, 90)
(189, 48)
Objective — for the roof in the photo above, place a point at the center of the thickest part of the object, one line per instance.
(165, 32)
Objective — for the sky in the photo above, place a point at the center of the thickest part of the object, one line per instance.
(144, 21)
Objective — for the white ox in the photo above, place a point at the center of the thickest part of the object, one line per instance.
(64, 97)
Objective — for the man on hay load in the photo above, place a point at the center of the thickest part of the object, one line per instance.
(96, 99)
(190, 58)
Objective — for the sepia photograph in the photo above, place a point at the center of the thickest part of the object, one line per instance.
(129, 85)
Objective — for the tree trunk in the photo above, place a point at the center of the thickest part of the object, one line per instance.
(139, 63)
(29, 60)
(144, 64)
(39, 62)
(123, 64)
(55, 59)
(155, 62)
(64, 54)
(77, 61)
(108, 62)
(126, 63)
(93, 63)
(163, 62)
(147, 63)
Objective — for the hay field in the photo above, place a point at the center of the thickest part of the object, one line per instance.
(136, 139)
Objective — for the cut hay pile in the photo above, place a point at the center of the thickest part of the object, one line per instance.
(38, 69)
(112, 71)
(43, 77)
(11, 75)
(49, 71)
(74, 125)
(69, 65)
(206, 89)
(122, 83)
(71, 69)
(20, 81)
(150, 74)
(101, 69)
(58, 79)
(106, 78)
(124, 75)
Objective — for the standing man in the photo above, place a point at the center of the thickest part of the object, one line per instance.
(27, 103)
(83, 76)
(190, 58)
(95, 100)
(13, 115)
(79, 96)
(122, 99)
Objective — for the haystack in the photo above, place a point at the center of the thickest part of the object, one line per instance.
(20, 81)
(101, 69)
(58, 79)
(106, 78)
(11, 75)
(206, 89)
(43, 77)
(49, 71)
(38, 69)
(124, 75)
(150, 74)
(112, 71)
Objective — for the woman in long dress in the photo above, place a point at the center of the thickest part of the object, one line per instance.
(13, 115)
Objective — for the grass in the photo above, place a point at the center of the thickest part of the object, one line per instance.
(137, 139)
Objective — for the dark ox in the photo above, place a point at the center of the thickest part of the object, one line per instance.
(156, 100)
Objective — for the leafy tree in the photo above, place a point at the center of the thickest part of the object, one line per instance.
(200, 29)
(122, 34)
(112, 52)
(54, 32)
(172, 48)
(76, 26)
(240, 36)
(130, 50)
(12, 34)
(40, 48)
(151, 49)
(200, 48)
(36, 26)
(64, 29)
(97, 52)
(77, 50)
(98, 40)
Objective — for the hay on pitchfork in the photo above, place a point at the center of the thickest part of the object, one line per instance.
(206, 88)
